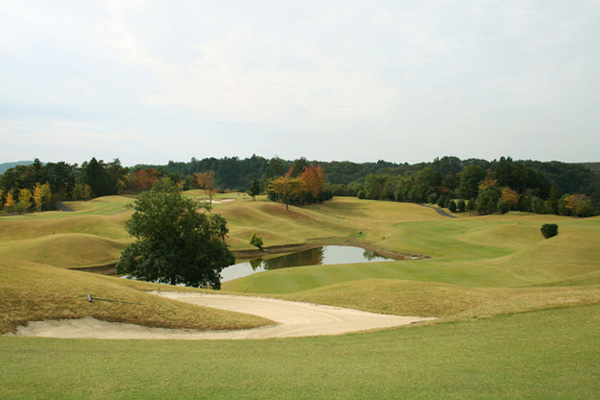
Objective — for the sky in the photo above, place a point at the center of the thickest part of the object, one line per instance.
(403, 81)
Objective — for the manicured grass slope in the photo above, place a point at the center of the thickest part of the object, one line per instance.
(485, 277)
(31, 292)
(95, 235)
(479, 265)
(66, 250)
(550, 354)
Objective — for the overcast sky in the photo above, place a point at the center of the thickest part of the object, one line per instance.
(404, 81)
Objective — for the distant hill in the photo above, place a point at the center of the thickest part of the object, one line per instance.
(5, 166)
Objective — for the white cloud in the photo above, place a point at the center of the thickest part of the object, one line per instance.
(364, 80)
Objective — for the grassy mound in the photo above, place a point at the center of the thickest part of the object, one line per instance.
(479, 266)
(485, 277)
(66, 250)
(32, 292)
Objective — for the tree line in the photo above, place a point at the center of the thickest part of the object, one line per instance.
(539, 186)
(499, 186)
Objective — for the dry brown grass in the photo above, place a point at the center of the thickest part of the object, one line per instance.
(32, 292)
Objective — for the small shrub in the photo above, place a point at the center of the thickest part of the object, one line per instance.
(549, 230)
(433, 198)
(471, 206)
(452, 206)
(441, 201)
(503, 207)
(361, 194)
(461, 205)
(256, 241)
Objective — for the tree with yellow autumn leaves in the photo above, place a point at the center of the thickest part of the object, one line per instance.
(307, 188)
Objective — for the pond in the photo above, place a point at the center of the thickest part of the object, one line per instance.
(325, 255)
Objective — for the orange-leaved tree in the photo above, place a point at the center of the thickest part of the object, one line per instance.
(575, 202)
(314, 180)
(206, 181)
(143, 179)
(9, 201)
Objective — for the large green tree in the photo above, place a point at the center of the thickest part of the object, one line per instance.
(487, 201)
(175, 241)
(470, 177)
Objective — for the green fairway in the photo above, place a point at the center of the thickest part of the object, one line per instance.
(519, 314)
(543, 355)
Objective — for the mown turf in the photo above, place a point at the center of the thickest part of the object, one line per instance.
(33, 292)
(470, 255)
(550, 354)
(485, 277)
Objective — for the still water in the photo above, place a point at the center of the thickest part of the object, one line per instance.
(324, 255)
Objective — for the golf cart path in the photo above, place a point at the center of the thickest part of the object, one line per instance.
(294, 319)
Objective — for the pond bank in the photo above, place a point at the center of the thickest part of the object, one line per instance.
(250, 254)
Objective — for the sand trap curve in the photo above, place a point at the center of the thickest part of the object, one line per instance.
(294, 319)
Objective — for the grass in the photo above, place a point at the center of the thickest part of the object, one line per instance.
(32, 292)
(550, 354)
(519, 314)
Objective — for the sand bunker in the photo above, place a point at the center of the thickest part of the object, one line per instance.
(216, 201)
(294, 319)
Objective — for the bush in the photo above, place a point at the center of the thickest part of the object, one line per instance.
(452, 206)
(503, 207)
(361, 194)
(256, 241)
(441, 201)
(549, 230)
(432, 199)
(461, 205)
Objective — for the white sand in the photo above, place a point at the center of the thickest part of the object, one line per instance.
(294, 319)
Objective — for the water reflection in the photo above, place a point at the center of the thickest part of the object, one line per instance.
(317, 256)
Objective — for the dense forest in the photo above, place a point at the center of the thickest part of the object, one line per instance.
(487, 186)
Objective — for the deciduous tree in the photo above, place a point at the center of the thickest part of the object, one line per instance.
(510, 197)
(286, 190)
(38, 196)
(575, 203)
(143, 179)
(314, 180)
(374, 186)
(469, 181)
(487, 200)
(174, 242)
(24, 200)
(9, 202)
(206, 181)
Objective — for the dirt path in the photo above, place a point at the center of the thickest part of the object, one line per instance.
(62, 207)
(439, 211)
(294, 320)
